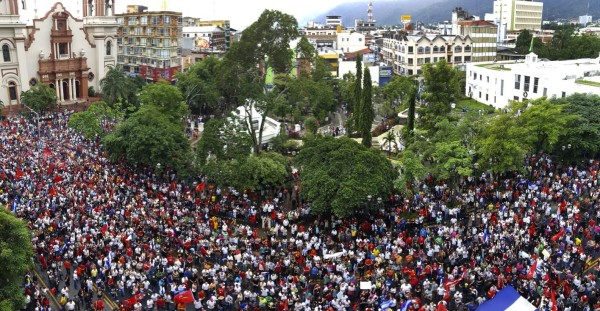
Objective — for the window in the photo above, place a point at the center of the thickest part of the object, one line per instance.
(545, 91)
(144, 20)
(457, 59)
(420, 50)
(486, 97)
(564, 94)
(62, 49)
(517, 82)
(12, 90)
(108, 48)
(516, 98)
(458, 49)
(167, 20)
(410, 49)
(479, 94)
(410, 61)
(535, 84)
(435, 49)
(501, 87)
(468, 48)
(6, 53)
(488, 79)
(527, 80)
(442, 49)
(427, 50)
(467, 58)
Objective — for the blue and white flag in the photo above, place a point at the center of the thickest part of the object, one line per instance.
(486, 235)
(508, 299)
(406, 304)
(14, 206)
(385, 304)
(109, 260)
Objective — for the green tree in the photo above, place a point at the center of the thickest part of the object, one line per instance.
(366, 113)
(523, 42)
(89, 122)
(311, 125)
(166, 98)
(199, 87)
(501, 145)
(544, 122)
(410, 122)
(357, 94)
(441, 89)
(412, 170)
(338, 175)
(40, 98)
(16, 252)
(149, 137)
(389, 139)
(583, 131)
(115, 85)
(398, 92)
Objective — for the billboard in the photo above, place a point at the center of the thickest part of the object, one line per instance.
(405, 18)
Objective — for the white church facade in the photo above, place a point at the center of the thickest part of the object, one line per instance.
(68, 53)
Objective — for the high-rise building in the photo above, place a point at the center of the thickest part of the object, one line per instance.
(483, 35)
(519, 14)
(150, 44)
(585, 19)
(68, 53)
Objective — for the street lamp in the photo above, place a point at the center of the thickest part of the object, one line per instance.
(38, 125)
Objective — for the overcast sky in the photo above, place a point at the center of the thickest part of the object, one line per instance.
(241, 12)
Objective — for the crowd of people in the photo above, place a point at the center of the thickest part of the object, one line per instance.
(142, 237)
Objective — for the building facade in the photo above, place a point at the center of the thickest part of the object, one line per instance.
(69, 54)
(150, 44)
(497, 83)
(484, 36)
(519, 14)
(407, 53)
(224, 24)
(206, 37)
(349, 42)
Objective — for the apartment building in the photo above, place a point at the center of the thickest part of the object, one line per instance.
(406, 54)
(150, 44)
(519, 14)
(349, 42)
(484, 35)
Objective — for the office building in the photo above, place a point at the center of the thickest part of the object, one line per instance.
(150, 44)
(519, 14)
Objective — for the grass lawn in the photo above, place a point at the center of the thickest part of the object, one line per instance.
(499, 67)
(472, 104)
(586, 82)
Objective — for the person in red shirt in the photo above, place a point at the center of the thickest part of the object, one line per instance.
(99, 305)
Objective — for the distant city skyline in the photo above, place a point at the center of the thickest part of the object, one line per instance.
(241, 13)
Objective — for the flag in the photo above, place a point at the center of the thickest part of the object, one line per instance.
(109, 260)
(406, 304)
(14, 206)
(486, 235)
(558, 235)
(384, 304)
(553, 300)
(62, 248)
(185, 297)
(532, 270)
(563, 206)
(57, 179)
(531, 44)
(200, 187)
(441, 306)
(19, 173)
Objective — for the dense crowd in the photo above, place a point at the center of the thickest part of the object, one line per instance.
(143, 237)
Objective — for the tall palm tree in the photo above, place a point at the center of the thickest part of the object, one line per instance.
(389, 139)
(114, 85)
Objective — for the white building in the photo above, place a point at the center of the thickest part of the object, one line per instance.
(585, 19)
(349, 42)
(497, 83)
(248, 113)
(59, 49)
(206, 37)
(333, 20)
(519, 14)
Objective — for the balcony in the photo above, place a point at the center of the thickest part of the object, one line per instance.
(47, 66)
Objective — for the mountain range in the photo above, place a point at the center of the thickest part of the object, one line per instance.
(434, 11)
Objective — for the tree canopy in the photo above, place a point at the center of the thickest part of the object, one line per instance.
(40, 98)
(90, 122)
(16, 253)
(441, 89)
(338, 175)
